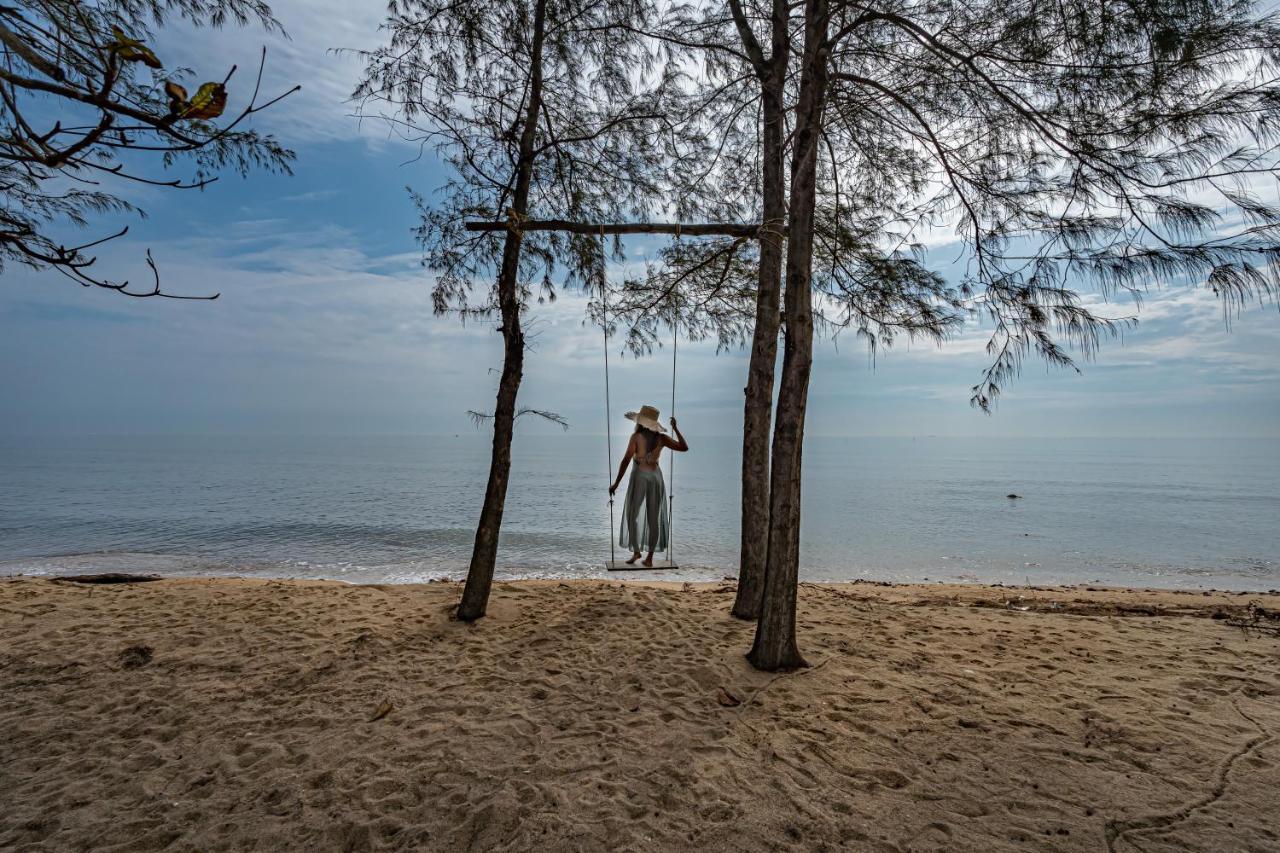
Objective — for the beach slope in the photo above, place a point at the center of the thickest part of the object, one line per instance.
(222, 714)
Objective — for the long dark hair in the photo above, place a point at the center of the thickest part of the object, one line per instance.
(651, 438)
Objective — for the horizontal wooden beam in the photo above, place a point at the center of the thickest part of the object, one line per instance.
(679, 229)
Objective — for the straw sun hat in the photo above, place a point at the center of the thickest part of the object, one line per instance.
(647, 417)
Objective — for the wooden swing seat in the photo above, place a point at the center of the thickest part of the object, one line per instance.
(621, 566)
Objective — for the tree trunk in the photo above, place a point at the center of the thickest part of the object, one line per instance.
(484, 553)
(775, 641)
(758, 407)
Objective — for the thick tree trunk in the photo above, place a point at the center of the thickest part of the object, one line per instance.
(775, 642)
(758, 407)
(484, 553)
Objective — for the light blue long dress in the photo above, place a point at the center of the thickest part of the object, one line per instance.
(645, 524)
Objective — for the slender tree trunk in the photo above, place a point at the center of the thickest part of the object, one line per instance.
(484, 554)
(775, 642)
(758, 408)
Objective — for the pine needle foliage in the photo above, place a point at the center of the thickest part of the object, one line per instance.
(868, 282)
(454, 78)
(1108, 145)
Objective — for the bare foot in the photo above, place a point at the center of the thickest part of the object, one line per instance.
(648, 561)
(634, 557)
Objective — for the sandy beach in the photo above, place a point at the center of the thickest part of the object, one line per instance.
(224, 714)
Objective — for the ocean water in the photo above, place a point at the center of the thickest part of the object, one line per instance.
(1168, 513)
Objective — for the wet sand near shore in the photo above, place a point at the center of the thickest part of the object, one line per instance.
(229, 714)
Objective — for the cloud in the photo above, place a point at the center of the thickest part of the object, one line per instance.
(314, 195)
(317, 332)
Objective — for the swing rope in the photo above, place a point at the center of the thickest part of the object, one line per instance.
(671, 460)
(608, 407)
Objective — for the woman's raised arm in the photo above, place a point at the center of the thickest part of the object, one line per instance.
(679, 446)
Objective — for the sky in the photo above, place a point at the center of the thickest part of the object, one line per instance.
(324, 324)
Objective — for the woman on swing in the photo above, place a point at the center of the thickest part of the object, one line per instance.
(644, 510)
